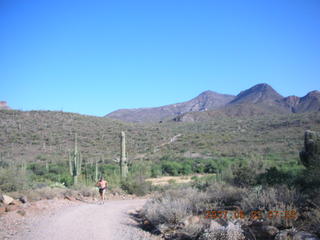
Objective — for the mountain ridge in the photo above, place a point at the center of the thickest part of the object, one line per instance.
(206, 100)
(259, 99)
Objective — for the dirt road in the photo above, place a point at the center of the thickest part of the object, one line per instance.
(88, 221)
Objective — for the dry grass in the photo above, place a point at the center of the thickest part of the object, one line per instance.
(311, 221)
(216, 231)
(160, 181)
(168, 212)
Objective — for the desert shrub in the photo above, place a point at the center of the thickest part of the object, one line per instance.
(3, 163)
(72, 192)
(167, 211)
(186, 166)
(269, 198)
(171, 207)
(244, 175)
(107, 169)
(315, 197)
(272, 199)
(37, 169)
(216, 231)
(12, 180)
(135, 182)
(225, 195)
(44, 193)
(88, 191)
(273, 176)
(186, 169)
(311, 221)
(49, 193)
(202, 183)
(309, 183)
(57, 169)
(310, 158)
(66, 179)
(171, 168)
(210, 167)
(156, 170)
(33, 196)
(136, 185)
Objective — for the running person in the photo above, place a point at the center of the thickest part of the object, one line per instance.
(102, 185)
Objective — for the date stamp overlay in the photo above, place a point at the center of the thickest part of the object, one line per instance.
(256, 214)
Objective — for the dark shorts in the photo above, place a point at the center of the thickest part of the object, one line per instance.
(102, 189)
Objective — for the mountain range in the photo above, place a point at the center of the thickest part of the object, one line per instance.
(260, 99)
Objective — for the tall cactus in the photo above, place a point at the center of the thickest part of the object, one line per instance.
(75, 161)
(310, 155)
(123, 158)
(310, 158)
(96, 170)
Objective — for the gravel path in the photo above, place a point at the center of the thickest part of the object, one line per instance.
(88, 221)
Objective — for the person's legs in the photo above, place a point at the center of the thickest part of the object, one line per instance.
(103, 195)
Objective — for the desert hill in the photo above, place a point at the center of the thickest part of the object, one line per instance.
(207, 100)
(260, 99)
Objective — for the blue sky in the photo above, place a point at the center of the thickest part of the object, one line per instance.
(93, 57)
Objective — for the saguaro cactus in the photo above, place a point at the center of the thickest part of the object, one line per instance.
(75, 161)
(96, 170)
(310, 158)
(310, 155)
(123, 158)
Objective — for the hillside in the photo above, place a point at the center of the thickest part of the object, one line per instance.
(98, 137)
(243, 136)
(260, 99)
(48, 135)
(207, 100)
(310, 102)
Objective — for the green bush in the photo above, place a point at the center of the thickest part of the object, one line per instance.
(156, 170)
(273, 176)
(171, 168)
(37, 169)
(136, 185)
(202, 183)
(12, 180)
(244, 175)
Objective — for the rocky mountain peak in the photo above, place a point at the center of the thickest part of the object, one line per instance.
(260, 93)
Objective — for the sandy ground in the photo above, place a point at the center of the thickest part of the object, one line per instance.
(177, 179)
(79, 220)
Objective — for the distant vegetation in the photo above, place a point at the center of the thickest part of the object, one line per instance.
(37, 145)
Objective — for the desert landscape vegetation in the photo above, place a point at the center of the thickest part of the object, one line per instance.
(215, 167)
(159, 120)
